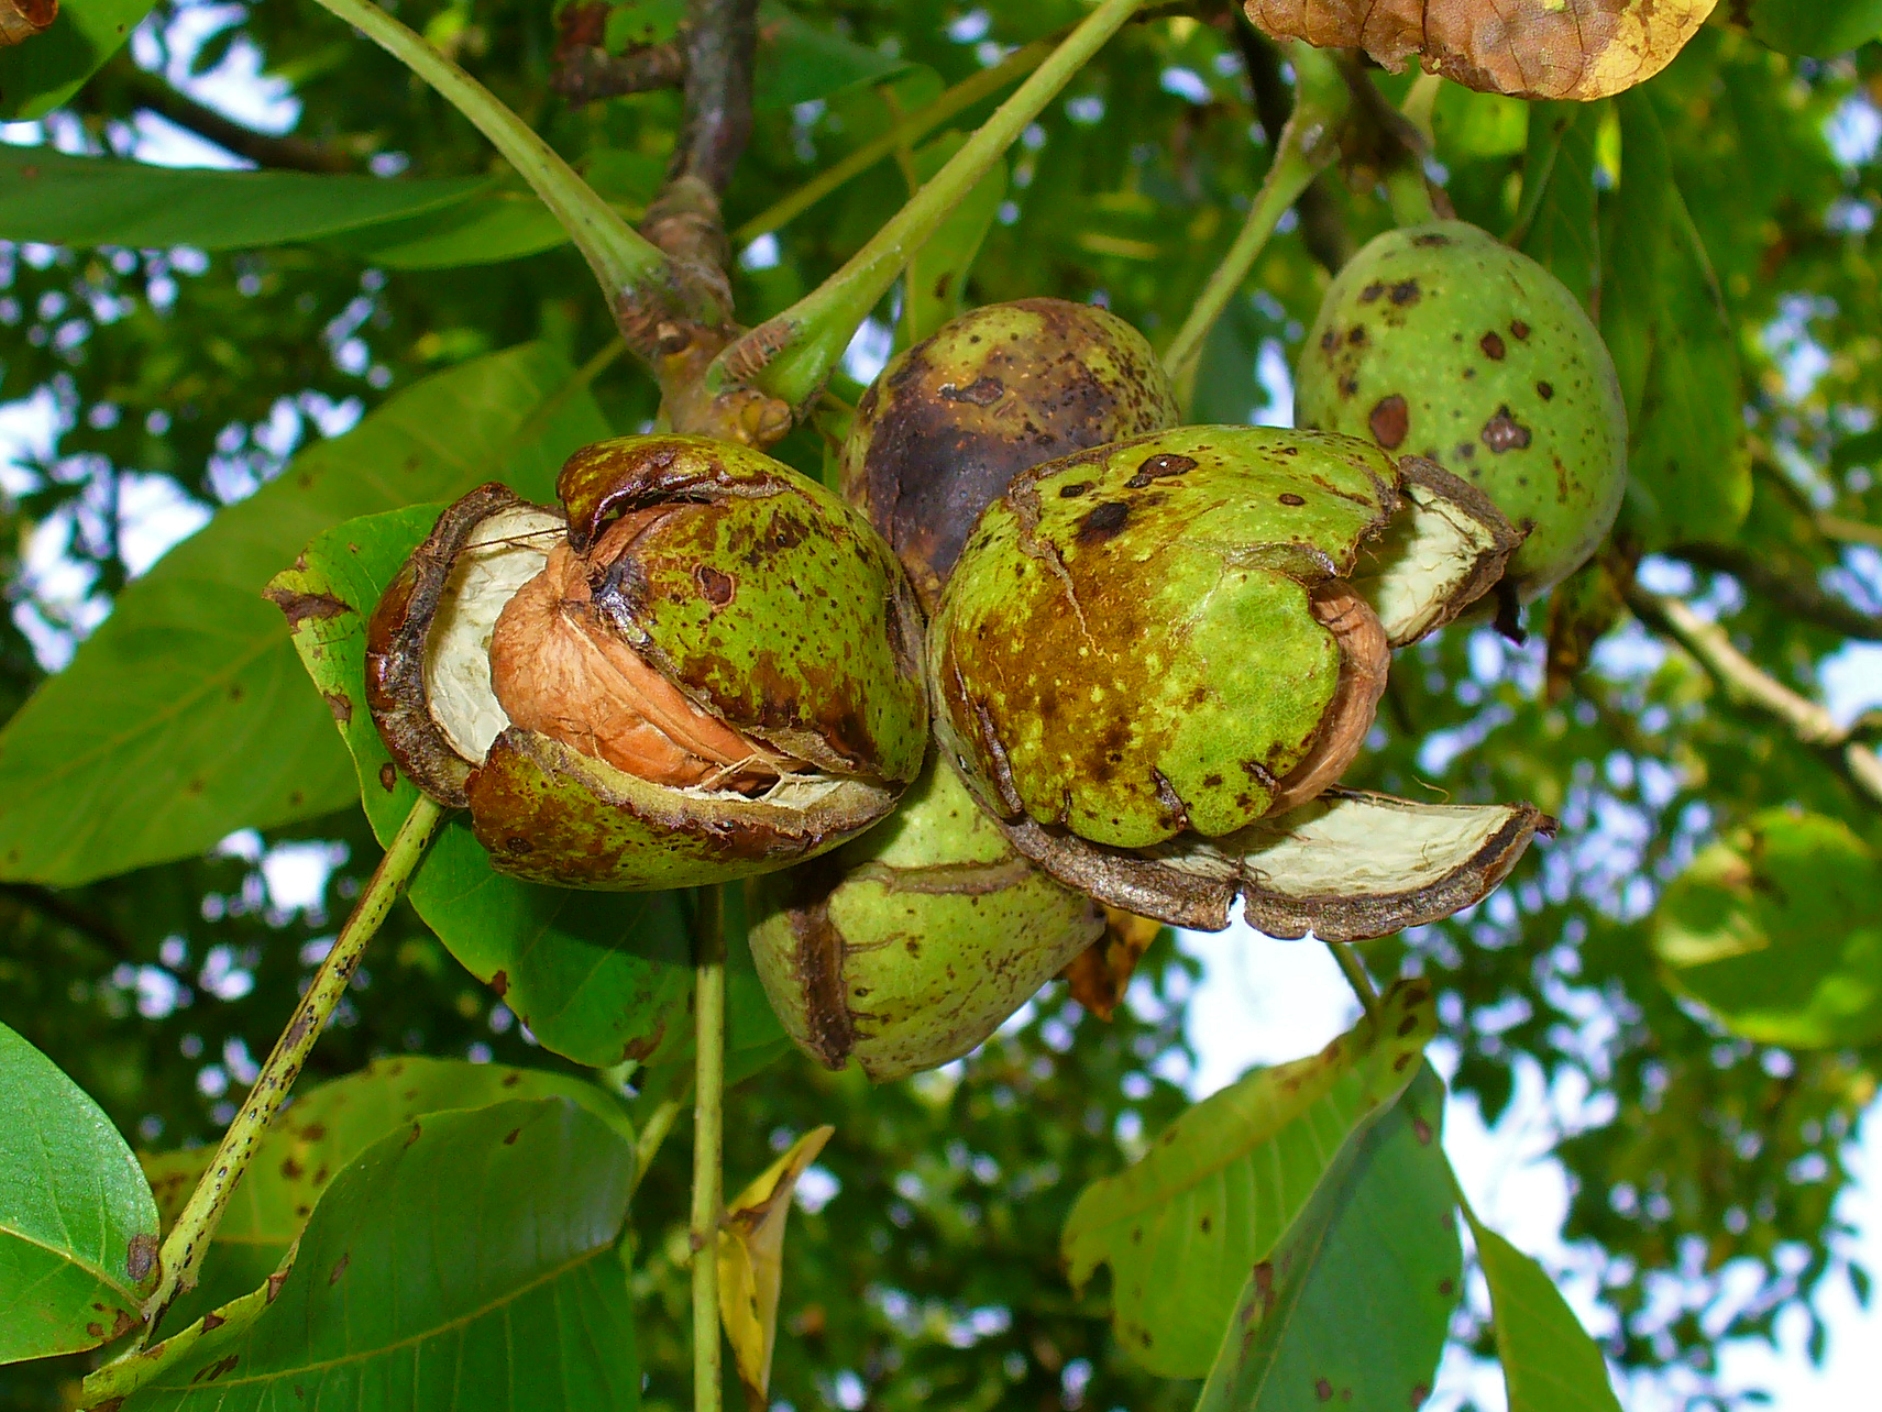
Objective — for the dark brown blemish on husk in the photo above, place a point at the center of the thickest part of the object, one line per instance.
(716, 586)
(141, 1258)
(1158, 466)
(1390, 422)
(1493, 346)
(1504, 433)
(1546, 391)
(1105, 522)
(981, 392)
(1519, 328)
(1405, 292)
(1289, 498)
(1074, 490)
(830, 1029)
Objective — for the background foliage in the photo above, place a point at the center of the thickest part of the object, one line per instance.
(1719, 220)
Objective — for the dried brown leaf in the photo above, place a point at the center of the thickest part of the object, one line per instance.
(1577, 49)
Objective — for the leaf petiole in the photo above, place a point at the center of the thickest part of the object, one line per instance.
(188, 1241)
(790, 355)
(624, 261)
(1309, 142)
(708, 1142)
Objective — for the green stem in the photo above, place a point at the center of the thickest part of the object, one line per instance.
(708, 1142)
(1355, 973)
(907, 132)
(790, 356)
(622, 260)
(188, 1241)
(1309, 142)
(653, 1132)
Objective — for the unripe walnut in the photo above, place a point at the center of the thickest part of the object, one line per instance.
(952, 420)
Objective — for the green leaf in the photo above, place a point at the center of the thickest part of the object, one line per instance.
(315, 1138)
(78, 1227)
(184, 717)
(1776, 931)
(1549, 1362)
(1689, 478)
(1471, 124)
(1556, 222)
(1219, 1187)
(467, 1261)
(81, 201)
(1820, 27)
(798, 63)
(1352, 1306)
(496, 226)
(598, 977)
(39, 75)
(935, 283)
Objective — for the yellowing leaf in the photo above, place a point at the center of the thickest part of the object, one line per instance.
(1580, 49)
(751, 1262)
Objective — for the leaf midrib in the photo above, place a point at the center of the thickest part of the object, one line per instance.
(413, 1340)
(72, 1259)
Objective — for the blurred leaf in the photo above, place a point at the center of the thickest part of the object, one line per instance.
(1352, 1304)
(1820, 27)
(80, 201)
(751, 1262)
(467, 1261)
(799, 63)
(1579, 49)
(313, 1140)
(78, 1228)
(1688, 476)
(37, 77)
(1777, 932)
(935, 282)
(183, 717)
(485, 230)
(1549, 1362)
(597, 977)
(1219, 1187)
(1555, 224)
(1470, 124)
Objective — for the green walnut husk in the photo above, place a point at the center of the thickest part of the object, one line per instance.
(701, 666)
(952, 420)
(1150, 650)
(910, 946)
(1441, 341)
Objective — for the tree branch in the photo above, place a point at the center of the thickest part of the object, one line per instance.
(721, 37)
(1750, 686)
(587, 73)
(295, 154)
(1322, 226)
(1787, 583)
(50, 904)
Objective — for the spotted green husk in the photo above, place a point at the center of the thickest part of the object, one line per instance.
(1440, 341)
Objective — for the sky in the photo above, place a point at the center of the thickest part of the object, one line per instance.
(1259, 1001)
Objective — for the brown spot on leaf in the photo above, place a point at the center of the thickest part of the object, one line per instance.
(1390, 422)
(340, 705)
(500, 983)
(141, 1258)
(1421, 1130)
(1493, 346)
(213, 1321)
(1546, 391)
(1322, 1390)
(509, 1138)
(1519, 328)
(339, 1268)
(1289, 498)
(388, 777)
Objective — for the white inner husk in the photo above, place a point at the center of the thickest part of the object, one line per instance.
(503, 553)
(1345, 846)
(1365, 847)
(1415, 569)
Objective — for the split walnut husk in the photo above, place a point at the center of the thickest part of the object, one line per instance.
(701, 667)
(1156, 658)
